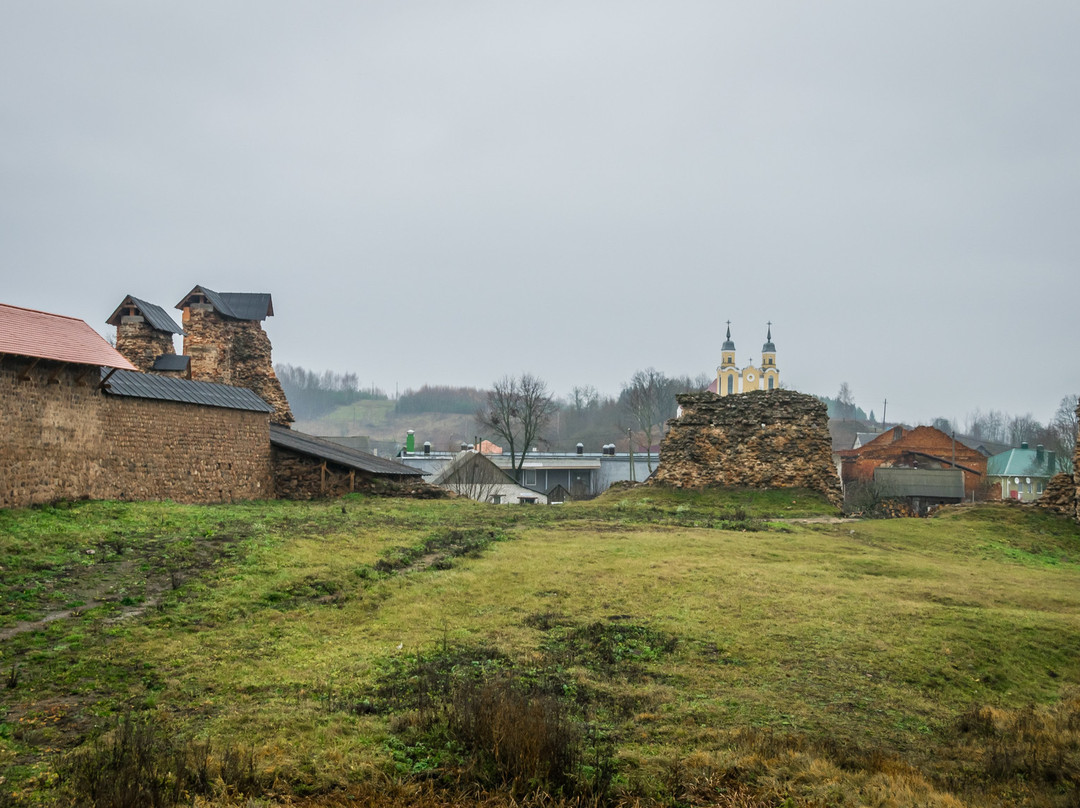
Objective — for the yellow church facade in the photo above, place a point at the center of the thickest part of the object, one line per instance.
(731, 379)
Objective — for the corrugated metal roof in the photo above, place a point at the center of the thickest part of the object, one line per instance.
(156, 316)
(941, 483)
(38, 334)
(238, 305)
(168, 388)
(172, 362)
(320, 449)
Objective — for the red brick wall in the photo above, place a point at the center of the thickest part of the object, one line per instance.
(909, 451)
(71, 441)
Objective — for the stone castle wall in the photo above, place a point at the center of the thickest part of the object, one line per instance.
(69, 440)
(233, 352)
(761, 439)
(141, 343)
(1062, 494)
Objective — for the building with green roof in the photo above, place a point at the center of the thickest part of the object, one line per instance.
(1023, 473)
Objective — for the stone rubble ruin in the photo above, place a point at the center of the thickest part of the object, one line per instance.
(761, 439)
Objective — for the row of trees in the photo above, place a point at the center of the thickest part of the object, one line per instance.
(521, 413)
(313, 394)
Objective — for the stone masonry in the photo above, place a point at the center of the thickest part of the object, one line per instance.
(233, 352)
(62, 438)
(141, 343)
(761, 439)
(1062, 494)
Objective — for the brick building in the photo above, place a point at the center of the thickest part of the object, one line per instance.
(923, 447)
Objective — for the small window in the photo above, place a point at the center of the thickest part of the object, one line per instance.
(771, 380)
(730, 385)
(530, 477)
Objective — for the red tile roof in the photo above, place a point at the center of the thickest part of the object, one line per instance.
(26, 332)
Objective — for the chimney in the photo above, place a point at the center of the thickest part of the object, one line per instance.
(427, 447)
(581, 448)
(1051, 463)
(410, 442)
(1023, 444)
(1039, 454)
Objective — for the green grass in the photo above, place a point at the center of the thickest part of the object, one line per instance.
(705, 649)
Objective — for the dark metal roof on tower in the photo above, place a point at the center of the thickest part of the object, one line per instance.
(237, 305)
(768, 347)
(728, 344)
(155, 316)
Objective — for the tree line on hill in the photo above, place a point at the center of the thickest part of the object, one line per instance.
(312, 394)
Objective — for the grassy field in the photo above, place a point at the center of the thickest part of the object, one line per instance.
(650, 647)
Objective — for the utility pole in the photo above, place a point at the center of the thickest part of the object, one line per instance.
(884, 407)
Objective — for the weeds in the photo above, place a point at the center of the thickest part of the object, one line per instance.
(140, 762)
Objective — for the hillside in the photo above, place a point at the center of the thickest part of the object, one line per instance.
(378, 421)
(649, 647)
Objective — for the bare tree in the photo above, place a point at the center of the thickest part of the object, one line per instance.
(943, 424)
(1023, 428)
(845, 402)
(1065, 425)
(645, 399)
(518, 409)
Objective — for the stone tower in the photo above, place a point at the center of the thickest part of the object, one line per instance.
(224, 337)
(144, 334)
(727, 375)
(770, 376)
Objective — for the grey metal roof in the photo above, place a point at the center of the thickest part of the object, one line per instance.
(167, 388)
(238, 305)
(172, 362)
(156, 316)
(293, 441)
(899, 482)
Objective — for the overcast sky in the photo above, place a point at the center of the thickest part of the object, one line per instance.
(447, 192)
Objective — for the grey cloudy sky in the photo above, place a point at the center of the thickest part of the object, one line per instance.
(444, 193)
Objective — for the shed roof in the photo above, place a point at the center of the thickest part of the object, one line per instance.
(172, 362)
(41, 335)
(169, 388)
(941, 483)
(321, 449)
(238, 305)
(156, 316)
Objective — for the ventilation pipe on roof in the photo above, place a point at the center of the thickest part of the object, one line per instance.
(427, 447)
(410, 442)
(581, 448)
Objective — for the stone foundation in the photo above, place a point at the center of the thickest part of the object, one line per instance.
(1059, 496)
(761, 439)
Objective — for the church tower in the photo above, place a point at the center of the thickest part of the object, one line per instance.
(770, 376)
(727, 375)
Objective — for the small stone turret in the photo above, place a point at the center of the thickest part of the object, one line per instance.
(224, 337)
(144, 332)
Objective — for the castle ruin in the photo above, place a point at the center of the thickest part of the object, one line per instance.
(761, 439)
